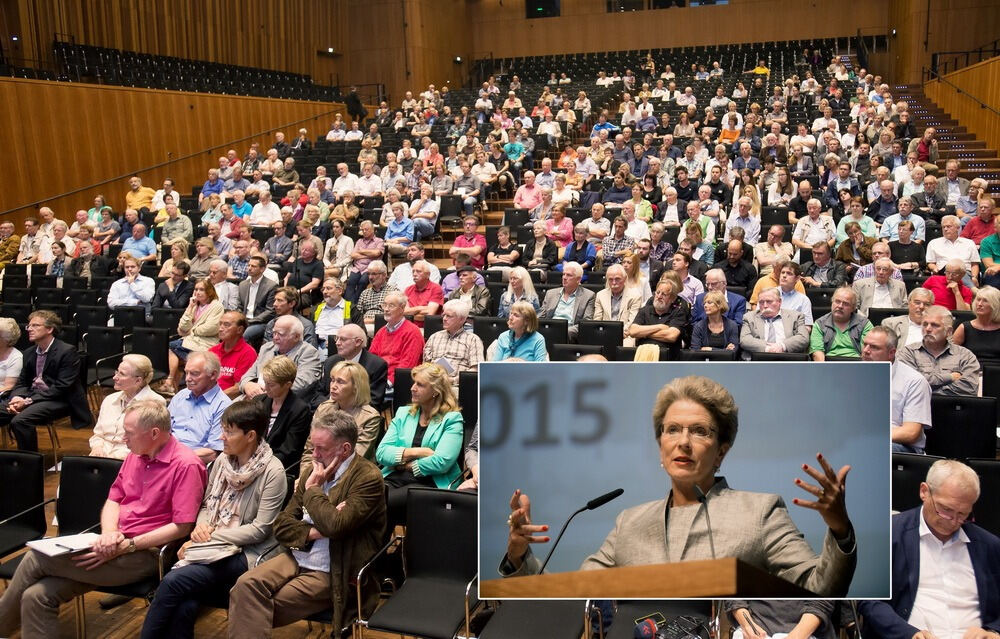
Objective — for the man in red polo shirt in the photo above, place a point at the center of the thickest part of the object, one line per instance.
(424, 297)
(471, 243)
(234, 353)
(948, 289)
(154, 500)
(981, 226)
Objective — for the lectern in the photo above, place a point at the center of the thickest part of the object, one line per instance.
(712, 578)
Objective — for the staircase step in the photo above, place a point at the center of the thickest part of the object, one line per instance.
(961, 146)
(964, 154)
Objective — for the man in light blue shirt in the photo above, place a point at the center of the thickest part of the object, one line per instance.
(790, 298)
(133, 289)
(196, 411)
(140, 246)
(890, 228)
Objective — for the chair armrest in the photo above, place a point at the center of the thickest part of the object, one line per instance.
(97, 366)
(469, 593)
(361, 573)
(26, 511)
(167, 556)
(264, 553)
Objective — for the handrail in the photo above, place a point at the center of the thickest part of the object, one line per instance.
(991, 48)
(152, 167)
(959, 90)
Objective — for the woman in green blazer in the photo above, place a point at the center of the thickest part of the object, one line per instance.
(423, 442)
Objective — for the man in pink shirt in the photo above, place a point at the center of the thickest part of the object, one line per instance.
(154, 500)
(471, 243)
(528, 195)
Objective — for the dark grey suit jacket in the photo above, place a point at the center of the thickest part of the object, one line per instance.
(263, 310)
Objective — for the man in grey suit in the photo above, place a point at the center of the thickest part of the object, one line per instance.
(571, 302)
(771, 329)
(880, 291)
(952, 187)
(907, 327)
(616, 298)
(256, 299)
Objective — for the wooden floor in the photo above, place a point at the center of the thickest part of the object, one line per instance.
(125, 622)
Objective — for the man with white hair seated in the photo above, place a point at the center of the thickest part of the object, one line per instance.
(571, 302)
(453, 347)
(952, 247)
(945, 570)
(949, 368)
(286, 340)
(196, 411)
(615, 303)
(229, 293)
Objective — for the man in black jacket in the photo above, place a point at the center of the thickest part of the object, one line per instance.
(355, 109)
(49, 386)
(351, 342)
(176, 291)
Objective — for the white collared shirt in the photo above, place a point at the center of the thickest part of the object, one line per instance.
(947, 602)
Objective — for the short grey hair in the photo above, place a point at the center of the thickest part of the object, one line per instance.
(944, 469)
(573, 268)
(458, 307)
(212, 363)
(336, 422)
(397, 298)
(293, 323)
(377, 266)
(10, 332)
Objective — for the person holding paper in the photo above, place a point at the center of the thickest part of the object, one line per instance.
(695, 420)
(153, 501)
(245, 492)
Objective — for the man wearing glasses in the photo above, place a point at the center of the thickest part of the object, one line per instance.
(945, 571)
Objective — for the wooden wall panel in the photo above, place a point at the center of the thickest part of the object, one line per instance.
(67, 136)
(981, 81)
(499, 27)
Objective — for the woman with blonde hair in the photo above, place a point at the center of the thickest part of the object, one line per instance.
(350, 391)
(198, 328)
(519, 289)
(647, 353)
(178, 253)
(204, 253)
(981, 335)
(423, 442)
(131, 381)
(289, 417)
(11, 359)
(634, 277)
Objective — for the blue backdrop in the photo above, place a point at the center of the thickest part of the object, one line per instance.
(567, 432)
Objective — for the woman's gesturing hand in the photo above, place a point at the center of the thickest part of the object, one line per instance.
(521, 529)
(831, 499)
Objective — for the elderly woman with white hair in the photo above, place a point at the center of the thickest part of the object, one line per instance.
(131, 381)
(11, 359)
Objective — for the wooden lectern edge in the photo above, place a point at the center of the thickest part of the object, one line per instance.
(711, 578)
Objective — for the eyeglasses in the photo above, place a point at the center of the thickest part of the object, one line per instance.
(948, 513)
(697, 433)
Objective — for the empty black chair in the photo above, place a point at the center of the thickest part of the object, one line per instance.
(105, 346)
(573, 352)
(488, 329)
(44, 281)
(688, 355)
(964, 427)
(432, 324)
(22, 512)
(81, 296)
(555, 331)
(91, 316)
(14, 281)
(15, 294)
(49, 296)
(167, 318)
(515, 217)
(820, 295)
(153, 343)
(608, 335)
(401, 388)
(439, 592)
(62, 310)
(908, 470)
(17, 312)
(468, 400)
(876, 315)
(987, 515)
(536, 620)
(761, 356)
(129, 317)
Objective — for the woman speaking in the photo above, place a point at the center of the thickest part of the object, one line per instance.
(695, 422)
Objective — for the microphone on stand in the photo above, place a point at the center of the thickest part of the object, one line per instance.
(704, 502)
(597, 502)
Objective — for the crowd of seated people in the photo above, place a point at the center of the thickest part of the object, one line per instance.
(301, 292)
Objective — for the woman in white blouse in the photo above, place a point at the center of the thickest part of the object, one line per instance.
(337, 253)
(11, 359)
(131, 384)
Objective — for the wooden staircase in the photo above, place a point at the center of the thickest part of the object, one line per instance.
(954, 140)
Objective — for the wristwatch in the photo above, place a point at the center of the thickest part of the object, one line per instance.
(131, 546)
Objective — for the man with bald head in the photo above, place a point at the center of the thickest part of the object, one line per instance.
(737, 271)
(742, 218)
(196, 411)
(424, 297)
(615, 303)
(140, 246)
(981, 226)
(879, 250)
(935, 544)
(929, 203)
(886, 204)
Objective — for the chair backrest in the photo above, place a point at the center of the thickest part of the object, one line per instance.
(379, 321)
(18, 312)
(687, 355)
(104, 341)
(441, 534)
(821, 295)
(432, 324)
(908, 470)
(44, 281)
(555, 331)
(761, 356)
(964, 427)
(167, 318)
(606, 334)
(987, 514)
(81, 296)
(401, 388)
(153, 343)
(488, 328)
(83, 489)
(22, 474)
(876, 315)
(50, 296)
(129, 317)
(573, 352)
(15, 294)
(88, 316)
